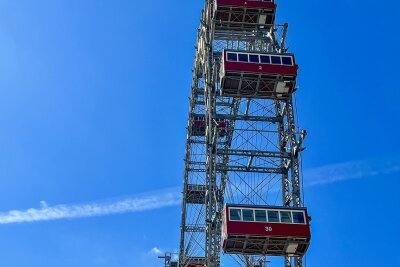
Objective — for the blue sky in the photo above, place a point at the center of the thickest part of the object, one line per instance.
(93, 109)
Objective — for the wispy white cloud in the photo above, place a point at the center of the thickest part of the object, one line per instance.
(135, 204)
(155, 251)
(171, 197)
(350, 170)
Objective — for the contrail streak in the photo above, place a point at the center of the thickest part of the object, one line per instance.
(350, 170)
(58, 212)
(171, 197)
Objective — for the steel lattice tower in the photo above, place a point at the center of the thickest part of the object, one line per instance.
(255, 161)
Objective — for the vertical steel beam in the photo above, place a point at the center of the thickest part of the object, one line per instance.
(213, 223)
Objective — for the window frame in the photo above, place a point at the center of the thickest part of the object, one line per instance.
(241, 215)
(279, 218)
(267, 217)
(291, 60)
(265, 213)
(233, 53)
(246, 54)
(243, 209)
(290, 216)
(258, 56)
(269, 59)
(270, 56)
(304, 216)
(277, 56)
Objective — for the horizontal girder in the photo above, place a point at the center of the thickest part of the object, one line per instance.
(225, 168)
(200, 167)
(195, 228)
(253, 153)
(246, 118)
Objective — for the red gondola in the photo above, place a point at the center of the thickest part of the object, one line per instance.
(199, 126)
(262, 230)
(244, 15)
(257, 75)
(196, 194)
(196, 262)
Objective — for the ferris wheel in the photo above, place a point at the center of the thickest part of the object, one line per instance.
(242, 194)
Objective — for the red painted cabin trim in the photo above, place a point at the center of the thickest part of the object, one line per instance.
(261, 80)
(263, 68)
(258, 228)
(220, 124)
(247, 3)
(253, 238)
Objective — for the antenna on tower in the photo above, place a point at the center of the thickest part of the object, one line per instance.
(168, 260)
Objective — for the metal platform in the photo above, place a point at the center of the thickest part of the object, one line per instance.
(268, 246)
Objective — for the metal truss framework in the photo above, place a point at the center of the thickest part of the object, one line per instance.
(255, 162)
